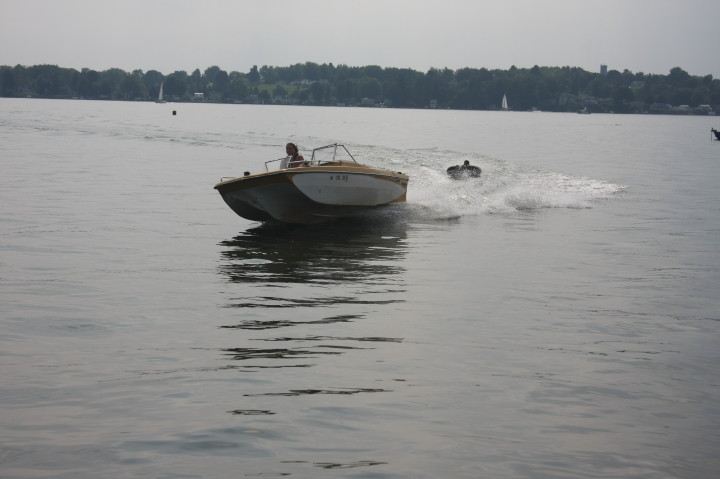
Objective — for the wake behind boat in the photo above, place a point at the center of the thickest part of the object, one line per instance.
(330, 185)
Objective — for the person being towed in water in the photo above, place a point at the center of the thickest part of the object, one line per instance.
(465, 171)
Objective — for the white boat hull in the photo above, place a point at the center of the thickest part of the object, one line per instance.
(312, 194)
(357, 189)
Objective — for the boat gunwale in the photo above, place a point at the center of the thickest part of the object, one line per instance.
(351, 168)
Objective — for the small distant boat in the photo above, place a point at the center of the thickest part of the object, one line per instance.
(504, 105)
(716, 133)
(584, 111)
(463, 172)
(160, 95)
(331, 185)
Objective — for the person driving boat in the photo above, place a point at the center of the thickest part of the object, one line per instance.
(294, 158)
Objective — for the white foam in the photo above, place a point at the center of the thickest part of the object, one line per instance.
(502, 188)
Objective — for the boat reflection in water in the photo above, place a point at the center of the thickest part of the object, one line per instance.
(312, 294)
(336, 253)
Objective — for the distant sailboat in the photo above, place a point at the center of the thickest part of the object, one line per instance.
(504, 106)
(160, 96)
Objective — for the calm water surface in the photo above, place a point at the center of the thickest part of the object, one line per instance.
(557, 318)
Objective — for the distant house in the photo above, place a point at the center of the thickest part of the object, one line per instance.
(705, 109)
(682, 109)
(252, 99)
(660, 107)
(198, 97)
(588, 101)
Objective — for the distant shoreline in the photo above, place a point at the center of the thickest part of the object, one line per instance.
(550, 89)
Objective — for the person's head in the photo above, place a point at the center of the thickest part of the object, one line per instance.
(291, 149)
(467, 163)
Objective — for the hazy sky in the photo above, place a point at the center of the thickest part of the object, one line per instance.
(650, 36)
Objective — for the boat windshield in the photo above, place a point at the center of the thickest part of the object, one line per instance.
(331, 153)
(320, 156)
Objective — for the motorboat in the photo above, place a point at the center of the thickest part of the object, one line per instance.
(464, 171)
(716, 133)
(330, 185)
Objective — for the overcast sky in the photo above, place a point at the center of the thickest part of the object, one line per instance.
(650, 36)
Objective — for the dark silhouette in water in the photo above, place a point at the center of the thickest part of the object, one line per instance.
(717, 133)
(465, 171)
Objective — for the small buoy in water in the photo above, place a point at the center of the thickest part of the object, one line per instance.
(174, 112)
(247, 173)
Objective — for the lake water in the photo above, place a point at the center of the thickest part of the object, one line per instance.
(557, 318)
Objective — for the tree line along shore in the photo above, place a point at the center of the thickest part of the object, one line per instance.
(537, 88)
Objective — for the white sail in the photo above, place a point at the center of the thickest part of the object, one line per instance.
(504, 103)
(160, 95)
